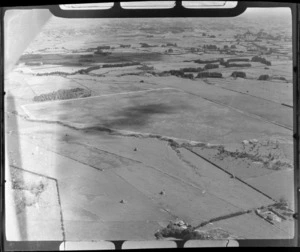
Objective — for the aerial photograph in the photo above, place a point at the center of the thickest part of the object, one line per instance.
(152, 129)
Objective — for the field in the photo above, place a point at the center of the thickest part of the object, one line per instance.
(125, 137)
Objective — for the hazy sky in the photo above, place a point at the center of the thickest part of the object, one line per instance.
(271, 11)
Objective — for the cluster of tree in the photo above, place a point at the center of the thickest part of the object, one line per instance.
(104, 47)
(211, 66)
(263, 35)
(53, 73)
(264, 77)
(279, 78)
(177, 73)
(180, 73)
(231, 52)
(209, 75)
(228, 64)
(91, 49)
(87, 70)
(125, 46)
(261, 60)
(146, 45)
(81, 71)
(246, 36)
(238, 74)
(210, 47)
(176, 231)
(250, 49)
(268, 77)
(171, 44)
(194, 49)
(145, 68)
(100, 52)
(170, 50)
(86, 56)
(272, 50)
(199, 61)
(121, 64)
(191, 69)
(63, 94)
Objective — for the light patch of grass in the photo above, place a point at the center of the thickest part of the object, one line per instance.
(27, 188)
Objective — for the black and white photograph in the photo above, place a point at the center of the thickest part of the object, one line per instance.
(149, 129)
